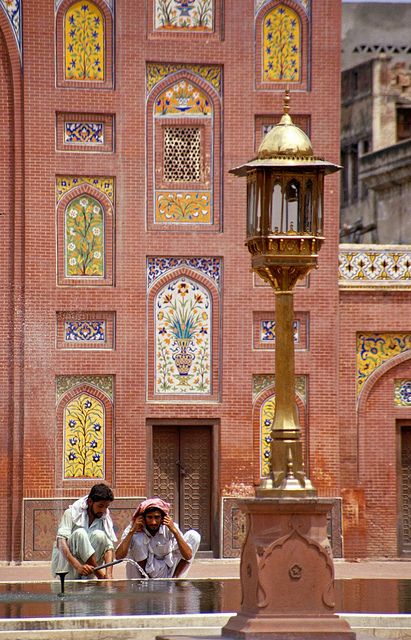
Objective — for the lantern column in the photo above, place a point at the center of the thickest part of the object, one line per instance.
(287, 571)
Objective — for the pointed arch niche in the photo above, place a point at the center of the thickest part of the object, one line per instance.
(183, 335)
(85, 231)
(84, 44)
(184, 146)
(84, 423)
(263, 417)
(282, 44)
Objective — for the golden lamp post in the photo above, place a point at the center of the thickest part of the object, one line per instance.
(287, 571)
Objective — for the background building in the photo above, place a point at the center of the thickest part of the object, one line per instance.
(375, 262)
(137, 346)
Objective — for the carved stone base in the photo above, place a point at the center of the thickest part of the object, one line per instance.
(287, 572)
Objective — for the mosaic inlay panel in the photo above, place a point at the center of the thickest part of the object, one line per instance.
(12, 9)
(157, 267)
(84, 43)
(158, 71)
(84, 133)
(264, 330)
(183, 338)
(402, 393)
(187, 206)
(65, 184)
(282, 45)
(267, 331)
(183, 15)
(84, 238)
(85, 329)
(374, 266)
(84, 438)
(373, 349)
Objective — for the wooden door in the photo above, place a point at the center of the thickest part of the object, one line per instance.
(405, 492)
(182, 475)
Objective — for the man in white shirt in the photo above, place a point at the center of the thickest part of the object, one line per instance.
(85, 536)
(154, 541)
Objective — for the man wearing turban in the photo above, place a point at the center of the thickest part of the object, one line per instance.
(154, 541)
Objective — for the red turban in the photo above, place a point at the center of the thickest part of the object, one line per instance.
(152, 503)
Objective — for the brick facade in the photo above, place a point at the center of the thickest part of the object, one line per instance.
(32, 260)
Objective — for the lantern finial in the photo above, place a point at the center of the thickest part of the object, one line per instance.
(287, 100)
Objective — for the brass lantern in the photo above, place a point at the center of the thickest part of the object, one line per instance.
(285, 195)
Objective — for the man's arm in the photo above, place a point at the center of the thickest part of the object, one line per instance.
(81, 569)
(137, 524)
(183, 546)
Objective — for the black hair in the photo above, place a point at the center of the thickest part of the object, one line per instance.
(100, 492)
(151, 509)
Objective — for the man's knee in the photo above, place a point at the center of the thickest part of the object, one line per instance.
(193, 538)
(78, 536)
(98, 537)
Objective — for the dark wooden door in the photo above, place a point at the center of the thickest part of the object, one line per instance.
(182, 476)
(405, 492)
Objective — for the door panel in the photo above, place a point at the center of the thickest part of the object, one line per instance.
(182, 475)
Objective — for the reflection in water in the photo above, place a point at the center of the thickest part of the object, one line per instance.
(88, 598)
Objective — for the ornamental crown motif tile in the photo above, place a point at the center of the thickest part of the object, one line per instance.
(66, 183)
(183, 98)
(109, 3)
(374, 266)
(157, 267)
(304, 4)
(155, 72)
(65, 383)
(184, 15)
(267, 330)
(374, 349)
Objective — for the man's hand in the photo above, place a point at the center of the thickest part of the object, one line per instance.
(170, 524)
(83, 569)
(137, 524)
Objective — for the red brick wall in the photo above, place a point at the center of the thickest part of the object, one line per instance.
(233, 48)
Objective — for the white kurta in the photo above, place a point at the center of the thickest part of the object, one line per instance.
(83, 539)
(161, 551)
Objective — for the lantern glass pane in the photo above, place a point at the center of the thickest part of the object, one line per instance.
(259, 195)
(276, 211)
(308, 208)
(250, 207)
(292, 202)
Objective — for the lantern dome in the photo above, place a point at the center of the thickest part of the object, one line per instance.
(285, 139)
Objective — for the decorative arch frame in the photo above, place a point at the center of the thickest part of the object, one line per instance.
(108, 38)
(13, 232)
(210, 286)
(262, 397)
(108, 222)
(66, 398)
(303, 84)
(209, 184)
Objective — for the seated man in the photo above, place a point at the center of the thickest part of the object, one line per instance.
(154, 541)
(85, 536)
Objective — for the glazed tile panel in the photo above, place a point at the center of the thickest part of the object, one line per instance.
(374, 266)
(184, 15)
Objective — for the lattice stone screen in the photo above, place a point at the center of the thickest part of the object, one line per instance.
(182, 154)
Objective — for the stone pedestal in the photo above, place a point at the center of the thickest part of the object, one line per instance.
(287, 573)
